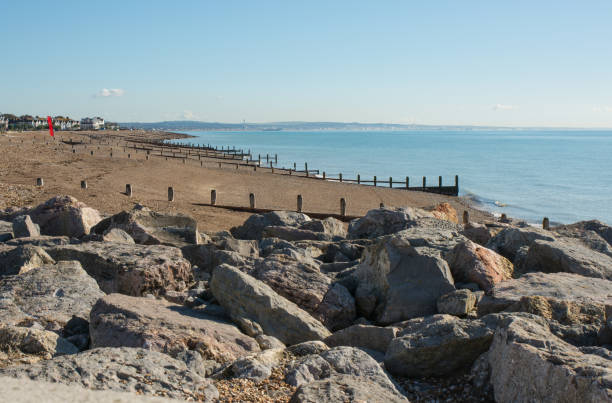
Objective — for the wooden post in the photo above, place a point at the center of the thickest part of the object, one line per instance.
(219, 165)
(111, 154)
(407, 183)
(294, 166)
(439, 181)
(91, 152)
(390, 182)
(252, 200)
(340, 176)
(457, 183)
(546, 223)
(306, 168)
(466, 217)
(147, 157)
(129, 156)
(424, 182)
(503, 217)
(342, 207)
(299, 203)
(259, 159)
(170, 194)
(276, 158)
(83, 184)
(73, 151)
(184, 160)
(128, 190)
(382, 205)
(267, 157)
(358, 179)
(374, 180)
(213, 197)
(39, 182)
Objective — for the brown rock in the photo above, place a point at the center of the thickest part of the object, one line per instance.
(64, 215)
(445, 211)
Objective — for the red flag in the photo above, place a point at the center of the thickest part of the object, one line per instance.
(50, 125)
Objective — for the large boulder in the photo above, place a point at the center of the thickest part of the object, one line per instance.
(21, 259)
(399, 281)
(444, 211)
(363, 336)
(122, 369)
(509, 241)
(528, 363)
(229, 250)
(33, 342)
(330, 226)
(384, 221)
(44, 241)
(49, 296)
(121, 321)
(580, 292)
(254, 225)
(294, 234)
(472, 263)
(437, 345)
(258, 309)
(563, 255)
(6, 231)
(28, 391)
(147, 227)
(24, 227)
(458, 303)
(580, 228)
(64, 215)
(129, 269)
(341, 374)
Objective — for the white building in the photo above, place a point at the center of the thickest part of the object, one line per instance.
(92, 123)
(3, 123)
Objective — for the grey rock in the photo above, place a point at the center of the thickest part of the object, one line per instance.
(64, 215)
(150, 228)
(331, 226)
(6, 231)
(363, 336)
(44, 241)
(294, 234)
(384, 221)
(578, 229)
(129, 269)
(123, 321)
(257, 367)
(32, 341)
(121, 369)
(235, 252)
(457, 303)
(118, 236)
(437, 346)
(338, 309)
(344, 388)
(50, 295)
(307, 348)
(24, 227)
(21, 259)
(510, 240)
(269, 342)
(258, 309)
(528, 363)
(255, 224)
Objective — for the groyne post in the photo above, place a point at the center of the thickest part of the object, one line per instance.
(213, 197)
(39, 182)
(439, 181)
(170, 194)
(358, 179)
(424, 182)
(382, 205)
(323, 175)
(276, 158)
(128, 190)
(407, 182)
(342, 207)
(374, 180)
(83, 184)
(252, 200)
(546, 223)
(299, 203)
(390, 182)
(340, 176)
(457, 183)
(466, 217)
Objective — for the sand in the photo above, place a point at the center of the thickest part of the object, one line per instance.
(62, 170)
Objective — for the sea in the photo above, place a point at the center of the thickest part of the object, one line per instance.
(565, 175)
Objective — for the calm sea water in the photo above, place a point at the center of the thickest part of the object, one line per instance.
(529, 174)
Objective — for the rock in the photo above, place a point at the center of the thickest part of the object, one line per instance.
(253, 227)
(50, 295)
(384, 221)
(147, 227)
(268, 342)
(129, 269)
(399, 281)
(560, 286)
(257, 308)
(563, 311)
(445, 211)
(363, 336)
(480, 233)
(470, 262)
(338, 309)
(308, 348)
(23, 259)
(27, 391)
(566, 256)
(330, 226)
(257, 367)
(579, 228)
(437, 346)
(24, 227)
(64, 215)
(337, 368)
(235, 252)
(43, 241)
(32, 341)
(121, 369)
(457, 303)
(293, 234)
(123, 321)
(118, 236)
(510, 240)
(528, 363)
(6, 231)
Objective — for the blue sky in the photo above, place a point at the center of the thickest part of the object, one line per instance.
(518, 63)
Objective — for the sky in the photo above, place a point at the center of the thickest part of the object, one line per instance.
(502, 63)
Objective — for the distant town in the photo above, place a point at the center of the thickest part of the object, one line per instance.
(27, 122)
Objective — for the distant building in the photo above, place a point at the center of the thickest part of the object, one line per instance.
(64, 123)
(3, 123)
(92, 123)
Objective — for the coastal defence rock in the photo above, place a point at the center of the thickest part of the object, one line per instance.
(6, 231)
(508, 241)
(341, 374)
(384, 221)
(24, 227)
(64, 215)
(437, 346)
(122, 321)
(254, 225)
(28, 391)
(363, 336)
(399, 281)
(472, 263)
(528, 363)
(330, 226)
(578, 230)
(258, 309)
(147, 227)
(457, 303)
(229, 250)
(21, 259)
(444, 211)
(563, 255)
(123, 370)
(294, 234)
(129, 269)
(575, 289)
(49, 295)
(34, 342)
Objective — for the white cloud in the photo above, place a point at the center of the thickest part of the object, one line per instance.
(602, 109)
(188, 115)
(501, 107)
(113, 92)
